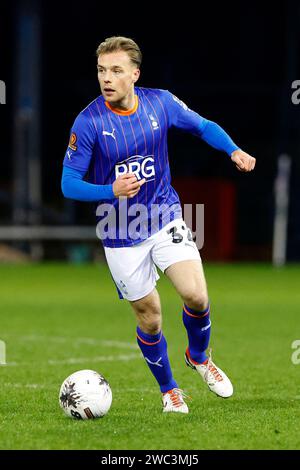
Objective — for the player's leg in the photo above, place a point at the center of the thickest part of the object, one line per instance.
(189, 281)
(178, 257)
(153, 346)
(135, 275)
(148, 313)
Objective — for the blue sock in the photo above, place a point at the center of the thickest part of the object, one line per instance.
(197, 325)
(154, 349)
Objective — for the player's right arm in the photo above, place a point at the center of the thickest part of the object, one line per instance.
(76, 163)
(74, 187)
(127, 185)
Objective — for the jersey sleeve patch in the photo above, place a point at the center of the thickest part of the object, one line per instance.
(72, 141)
(181, 103)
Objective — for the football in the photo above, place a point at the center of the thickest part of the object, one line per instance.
(85, 394)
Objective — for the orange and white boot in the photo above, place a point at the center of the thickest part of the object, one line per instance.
(173, 400)
(216, 380)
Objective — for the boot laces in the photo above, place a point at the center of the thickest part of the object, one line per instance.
(177, 395)
(211, 368)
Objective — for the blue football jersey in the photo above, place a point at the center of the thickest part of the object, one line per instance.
(106, 143)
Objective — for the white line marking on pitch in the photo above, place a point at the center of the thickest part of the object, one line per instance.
(116, 390)
(79, 360)
(84, 340)
(17, 385)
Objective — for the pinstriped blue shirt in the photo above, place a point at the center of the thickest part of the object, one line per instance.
(106, 143)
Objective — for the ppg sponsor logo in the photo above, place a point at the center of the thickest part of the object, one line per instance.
(2, 92)
(140, 166)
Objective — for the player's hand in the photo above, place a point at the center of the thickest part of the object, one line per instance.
(243, 161)
(127, 185)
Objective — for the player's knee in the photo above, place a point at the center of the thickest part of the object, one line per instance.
(196, 300)
(150, 322)
(148, 315)
(150, 326)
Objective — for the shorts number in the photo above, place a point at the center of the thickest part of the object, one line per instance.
(189, 236)
(177, 237)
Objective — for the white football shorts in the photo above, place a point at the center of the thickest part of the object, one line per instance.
(134, 268)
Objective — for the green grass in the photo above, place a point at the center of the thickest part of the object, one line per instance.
(56, 319)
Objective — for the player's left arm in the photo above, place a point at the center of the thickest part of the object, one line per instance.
(184, 118)
(215, 136)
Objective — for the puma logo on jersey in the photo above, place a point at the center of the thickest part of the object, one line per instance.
(112, 134)
(154, 363)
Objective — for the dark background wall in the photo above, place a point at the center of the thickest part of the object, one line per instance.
(232, 63)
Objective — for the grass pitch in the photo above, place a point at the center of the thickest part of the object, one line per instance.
(56, 319)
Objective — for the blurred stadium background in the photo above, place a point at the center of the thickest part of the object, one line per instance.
(236, 68)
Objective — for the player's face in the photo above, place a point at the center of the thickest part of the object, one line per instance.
(117, 75)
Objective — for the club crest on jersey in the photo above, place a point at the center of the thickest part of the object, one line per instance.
(72, 141)
(154, 122)
(140, 165)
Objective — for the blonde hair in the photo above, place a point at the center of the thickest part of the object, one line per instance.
(121, 43)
